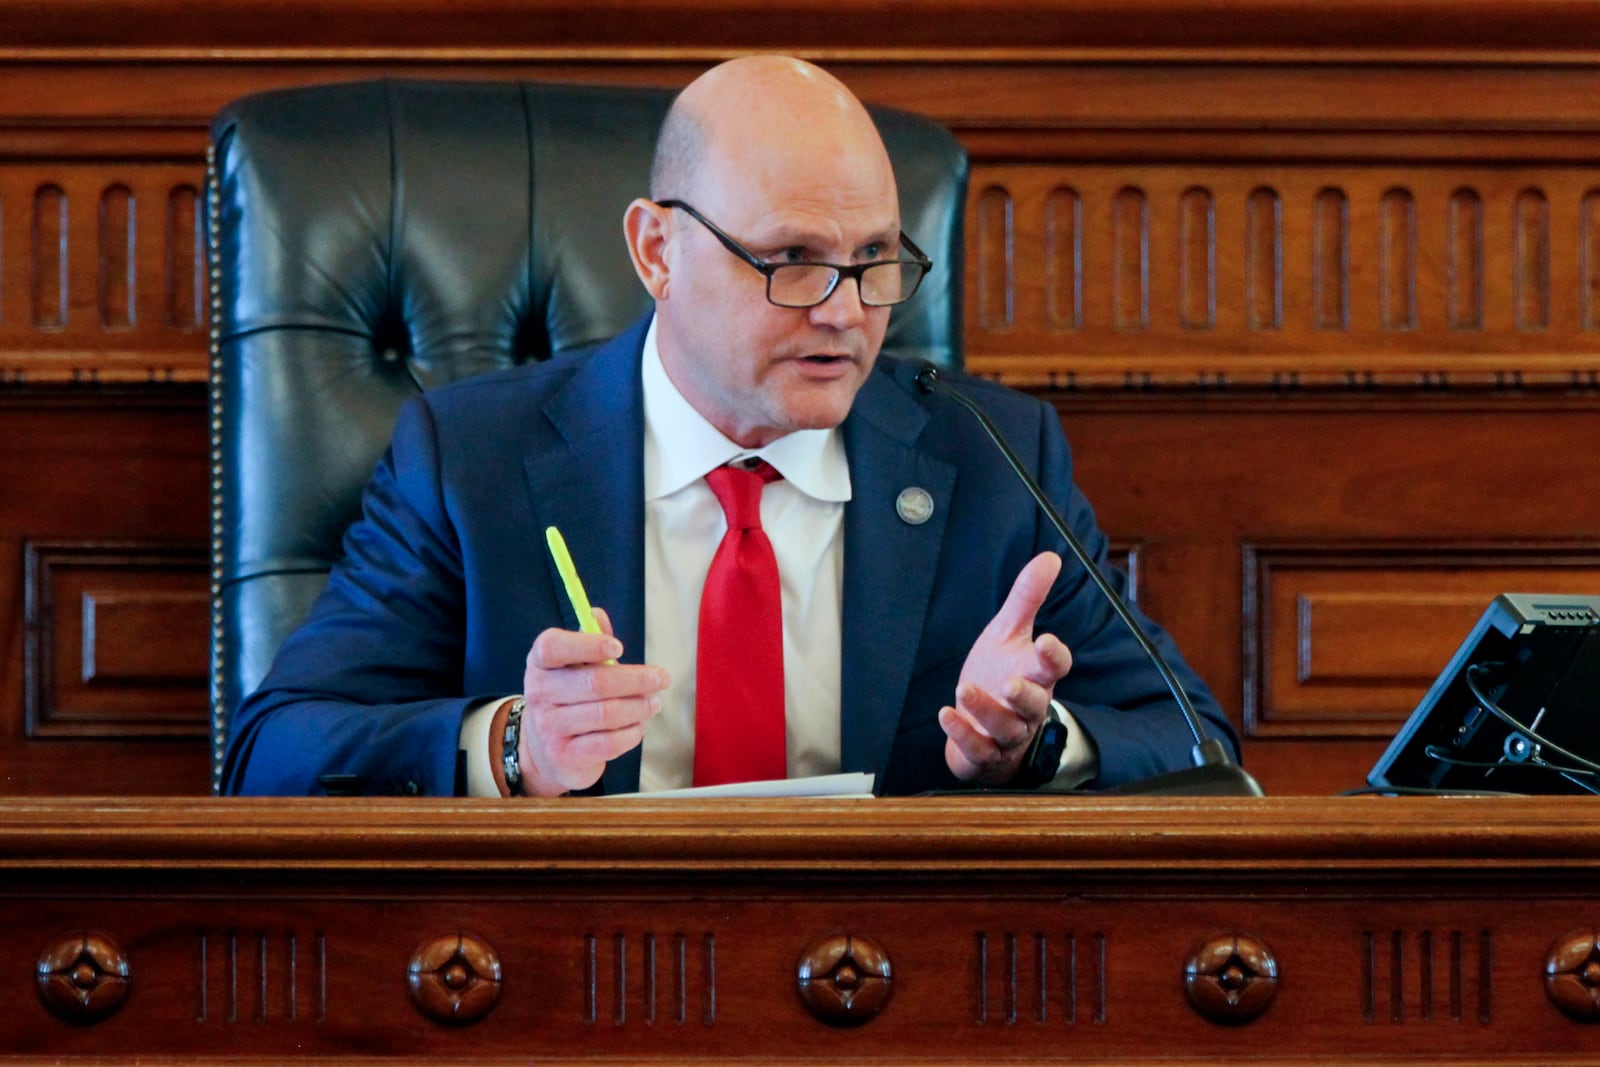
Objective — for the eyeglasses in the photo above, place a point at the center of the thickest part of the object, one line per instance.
(802, 285)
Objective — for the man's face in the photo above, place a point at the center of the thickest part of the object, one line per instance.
(755, 370)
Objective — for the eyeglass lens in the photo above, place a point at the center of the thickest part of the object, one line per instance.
(805, 285)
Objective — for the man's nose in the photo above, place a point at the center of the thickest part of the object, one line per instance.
(843, 307)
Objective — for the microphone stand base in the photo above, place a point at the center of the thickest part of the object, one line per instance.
(1207, 780)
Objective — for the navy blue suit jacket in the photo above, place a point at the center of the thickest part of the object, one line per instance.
(446, 581)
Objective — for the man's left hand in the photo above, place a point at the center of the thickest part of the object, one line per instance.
(1004, 691)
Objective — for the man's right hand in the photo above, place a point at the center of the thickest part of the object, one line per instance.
(581, 711)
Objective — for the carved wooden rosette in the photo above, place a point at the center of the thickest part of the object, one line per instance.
(454, 979)
(844, 980)
(83, 977)
(1572, 975)
(1231, 979)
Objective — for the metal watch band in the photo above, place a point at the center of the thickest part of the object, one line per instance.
(508, 755)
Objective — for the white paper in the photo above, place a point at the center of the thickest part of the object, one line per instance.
(824, 785)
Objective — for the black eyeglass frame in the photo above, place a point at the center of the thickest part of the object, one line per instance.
(855, 270)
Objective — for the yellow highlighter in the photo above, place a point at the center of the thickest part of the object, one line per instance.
(569, 579)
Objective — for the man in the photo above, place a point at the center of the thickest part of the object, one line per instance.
(923, 605)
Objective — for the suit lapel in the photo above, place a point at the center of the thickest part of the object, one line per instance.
(592, 489)
(885, 605)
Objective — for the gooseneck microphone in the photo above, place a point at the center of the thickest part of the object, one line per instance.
(1214, 773)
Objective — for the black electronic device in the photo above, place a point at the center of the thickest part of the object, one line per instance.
(1514, 711)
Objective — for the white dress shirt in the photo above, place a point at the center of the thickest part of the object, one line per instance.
(803, 516)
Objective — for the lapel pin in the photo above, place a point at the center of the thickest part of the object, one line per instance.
(914, 506)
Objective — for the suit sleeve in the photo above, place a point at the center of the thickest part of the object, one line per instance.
(1113, 690)
(355, 689)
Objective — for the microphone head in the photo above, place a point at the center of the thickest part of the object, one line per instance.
(927, 377)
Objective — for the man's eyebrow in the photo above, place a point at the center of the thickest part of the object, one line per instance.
(789, 237)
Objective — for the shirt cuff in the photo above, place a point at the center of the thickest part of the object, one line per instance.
(474, 740)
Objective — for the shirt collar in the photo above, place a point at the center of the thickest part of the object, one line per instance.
(680, 446)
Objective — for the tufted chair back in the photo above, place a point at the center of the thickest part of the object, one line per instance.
(375, 239)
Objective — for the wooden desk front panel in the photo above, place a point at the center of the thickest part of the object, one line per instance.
(1036, 931)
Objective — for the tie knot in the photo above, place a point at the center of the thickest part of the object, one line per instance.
(738, 490)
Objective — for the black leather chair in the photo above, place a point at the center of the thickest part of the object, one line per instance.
(371, 240)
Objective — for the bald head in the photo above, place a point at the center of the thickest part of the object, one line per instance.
(769, 162)
(763, 112)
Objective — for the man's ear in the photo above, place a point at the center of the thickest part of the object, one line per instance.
(647, 226)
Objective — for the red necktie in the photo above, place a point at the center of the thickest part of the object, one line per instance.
(739, 716)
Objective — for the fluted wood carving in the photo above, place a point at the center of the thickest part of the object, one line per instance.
(1426, 975)
(1041, 978)
(102, 276)
(1116, 273)
(648, 977)
(1319, 275)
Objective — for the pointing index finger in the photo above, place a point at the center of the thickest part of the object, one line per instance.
(1028, 593)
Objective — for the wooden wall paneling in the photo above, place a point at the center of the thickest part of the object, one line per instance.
(1100, 112)
(1387, 29)
(1343, 639)
(117, 640)
(101, 272)
(103, 578)
(1309, 277)
(1420, 507)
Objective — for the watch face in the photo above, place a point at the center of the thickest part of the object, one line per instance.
(1054, 743)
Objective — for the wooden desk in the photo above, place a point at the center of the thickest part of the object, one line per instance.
(1074, 930)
